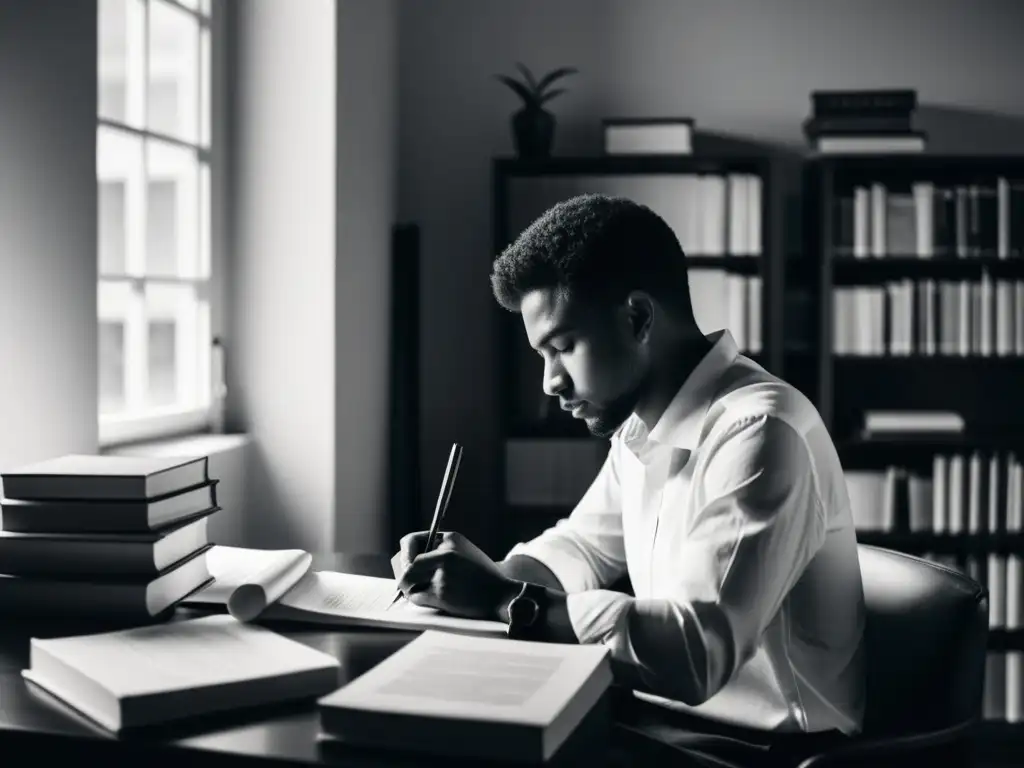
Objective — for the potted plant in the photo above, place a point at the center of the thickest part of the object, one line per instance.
(533, 127)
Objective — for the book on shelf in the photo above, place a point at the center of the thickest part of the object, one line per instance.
(281, 585)
(929, 317)
(899, 424)
(481, 698)
(967, 491)
(650, 136)
(711, 214)
(155, 674)
(874, 143)
(81, 477)
(865, 121)
(928, 219)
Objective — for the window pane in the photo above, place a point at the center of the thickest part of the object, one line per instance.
(112, 227)
(205, 6)
(122, 193)
(172, 210)
(174, 321)
(115, 306)
(162, 364)
(121, 35)
(112, 371)
(205, 88)
(173, 99)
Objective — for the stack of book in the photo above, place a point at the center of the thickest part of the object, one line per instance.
(857, 122)
(104, 537)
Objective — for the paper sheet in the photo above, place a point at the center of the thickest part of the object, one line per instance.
(248, 580)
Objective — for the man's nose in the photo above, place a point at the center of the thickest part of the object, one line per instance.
(554, 379)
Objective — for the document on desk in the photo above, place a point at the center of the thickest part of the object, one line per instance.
(162, 672)
(256, 585)
(474, 697)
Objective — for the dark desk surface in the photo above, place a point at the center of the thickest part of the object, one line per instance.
(34, 726)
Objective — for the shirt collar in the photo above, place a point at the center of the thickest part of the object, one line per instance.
(681, 423)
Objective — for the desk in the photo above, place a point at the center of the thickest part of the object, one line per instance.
(35, 728)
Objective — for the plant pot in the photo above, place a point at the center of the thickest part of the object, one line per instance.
(533, 130)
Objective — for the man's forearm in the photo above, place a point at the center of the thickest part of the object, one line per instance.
(526, 568)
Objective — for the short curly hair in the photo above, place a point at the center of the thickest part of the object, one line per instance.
(598, 247)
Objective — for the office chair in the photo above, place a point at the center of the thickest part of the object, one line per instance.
(926, 639)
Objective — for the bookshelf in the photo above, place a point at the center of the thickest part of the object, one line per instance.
(919, 266)
(723, 209)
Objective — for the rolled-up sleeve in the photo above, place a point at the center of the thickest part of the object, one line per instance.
(585, 550)
(756, 522)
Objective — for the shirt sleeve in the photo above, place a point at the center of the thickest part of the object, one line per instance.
(757, 522)
(585, 550)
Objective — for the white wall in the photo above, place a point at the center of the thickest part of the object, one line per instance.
(367, 197)
(741, 67)
(282, 290)
(48, 327)
(314, 188)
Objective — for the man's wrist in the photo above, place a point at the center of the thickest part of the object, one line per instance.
(509, 591)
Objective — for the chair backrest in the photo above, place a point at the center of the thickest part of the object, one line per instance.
(926, 638)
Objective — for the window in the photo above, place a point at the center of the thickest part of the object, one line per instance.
(154, 242)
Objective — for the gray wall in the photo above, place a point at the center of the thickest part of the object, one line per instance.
(314, 198)
(740, 67)
(48, 327)
(367, 110)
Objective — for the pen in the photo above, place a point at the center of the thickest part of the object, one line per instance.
(441, 507)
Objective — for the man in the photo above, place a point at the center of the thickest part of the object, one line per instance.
(722, 498)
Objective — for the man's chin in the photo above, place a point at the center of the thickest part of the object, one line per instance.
(600, 426)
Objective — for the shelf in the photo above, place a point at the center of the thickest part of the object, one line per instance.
(1006, 639)
(630, 164)
(848, 270)
(921, 165)
(741, 265)
(917, 452)
(933, 364)
(915, 543)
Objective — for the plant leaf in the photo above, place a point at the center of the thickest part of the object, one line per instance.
(550, 77)
(520, 90)
(550, 95)
(528, 75)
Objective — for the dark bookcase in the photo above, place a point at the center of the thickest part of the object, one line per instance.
(919, 265)
(542, 447)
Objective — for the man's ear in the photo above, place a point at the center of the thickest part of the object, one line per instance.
(640, 313)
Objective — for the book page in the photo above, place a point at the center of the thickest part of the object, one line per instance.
(345, 598)
(182, 655)
(248, 580)
(441, 674)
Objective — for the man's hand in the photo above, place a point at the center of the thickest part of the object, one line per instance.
(456, 577)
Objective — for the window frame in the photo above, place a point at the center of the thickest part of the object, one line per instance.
(161, 422)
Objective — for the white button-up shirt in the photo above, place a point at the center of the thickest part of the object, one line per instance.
(732, 520)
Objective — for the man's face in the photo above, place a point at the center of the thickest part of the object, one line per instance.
(592, 363)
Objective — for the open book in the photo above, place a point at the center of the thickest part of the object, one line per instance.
(256, 584)
(473, 697)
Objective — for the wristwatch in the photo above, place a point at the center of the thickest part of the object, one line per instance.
(526, 612)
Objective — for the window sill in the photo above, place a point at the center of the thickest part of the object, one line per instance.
(201, 444)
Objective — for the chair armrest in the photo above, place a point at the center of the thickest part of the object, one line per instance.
(862, 751)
